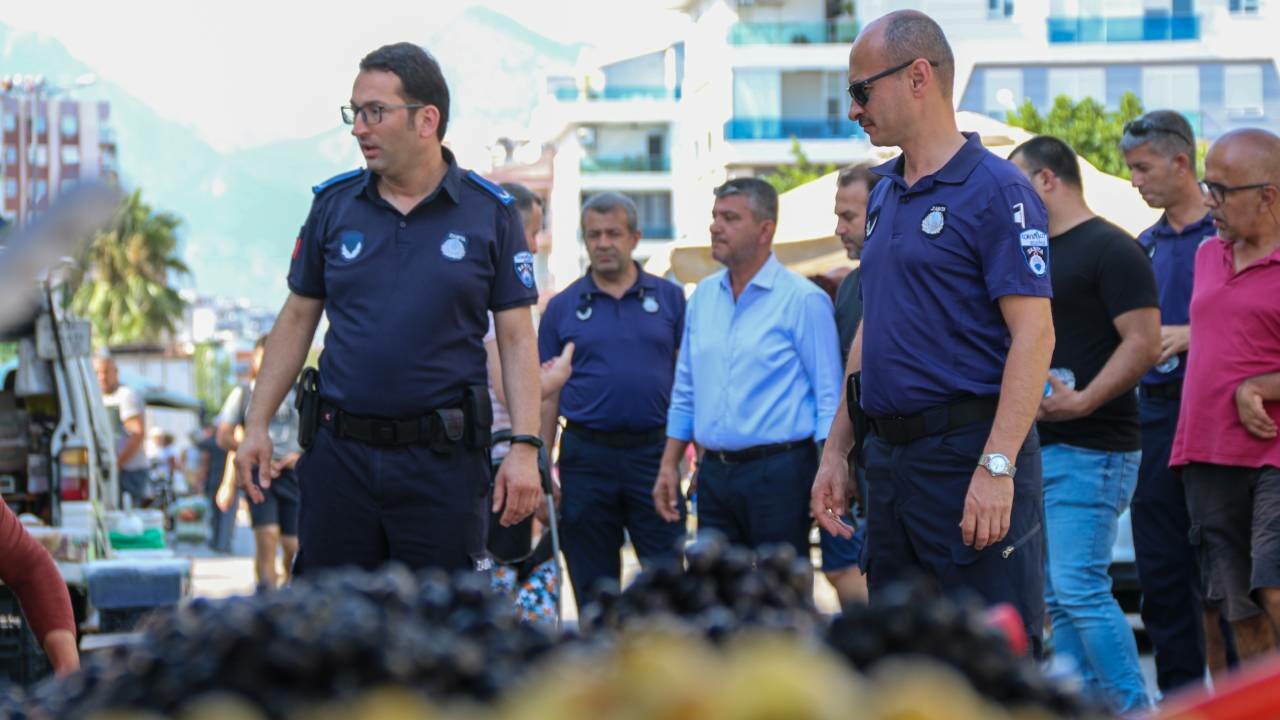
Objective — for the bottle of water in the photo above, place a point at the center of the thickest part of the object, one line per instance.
(1064, 375)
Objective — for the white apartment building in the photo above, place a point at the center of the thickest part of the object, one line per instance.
(748, 76)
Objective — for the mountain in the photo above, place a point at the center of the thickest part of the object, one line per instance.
(241, 210)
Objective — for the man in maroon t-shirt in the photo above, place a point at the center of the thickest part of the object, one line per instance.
(1226, 439)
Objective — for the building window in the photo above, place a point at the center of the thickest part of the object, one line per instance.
(10, 122)
(70, 124)
(70, 154)
(11, 187)
(40, 155)
(997, 9)
(39, 190)
(1078, 84)
(41, 125)
(10, 155)
(1003, 92)
(1243, 7)
(1242, 90)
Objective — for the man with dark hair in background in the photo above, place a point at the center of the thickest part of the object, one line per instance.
(954, 344)
(1160, 150)
(757, 382)
(1107, 322)
(404, 258)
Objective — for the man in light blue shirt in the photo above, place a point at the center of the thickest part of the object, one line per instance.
(757, 382)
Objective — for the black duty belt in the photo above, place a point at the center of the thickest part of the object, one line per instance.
(900, 429)
(758, 452)
(1163, 391)
(440, 430)
(620, 440)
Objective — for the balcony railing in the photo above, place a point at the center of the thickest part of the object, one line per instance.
(618, 92)
(632, 163)
(780, 128)
(793, 33)
(1149, 28)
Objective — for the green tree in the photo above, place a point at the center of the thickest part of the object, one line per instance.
(802, 171)
(124, 283)
(213, 375)
(1088, 127)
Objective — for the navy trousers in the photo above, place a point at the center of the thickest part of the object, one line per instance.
(365, 506)
(917, 493)
(607, 496)
(759, 502)
(1167, 570)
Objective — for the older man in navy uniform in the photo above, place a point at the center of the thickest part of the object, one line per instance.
(955, 340)
(626, 326)
(405, 258)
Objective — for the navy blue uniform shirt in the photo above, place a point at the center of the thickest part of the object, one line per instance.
(624, 357)
(937, 257)
(407, 295)
(1173, 257)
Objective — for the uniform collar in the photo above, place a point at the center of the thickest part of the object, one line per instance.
(451, 183)
(764, 277)
(955, 172)
(643, 280)
(1162, 226)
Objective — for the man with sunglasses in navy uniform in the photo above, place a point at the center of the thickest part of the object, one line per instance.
(955, 340)
(1160, 150)
(405, 258)
(625, 325)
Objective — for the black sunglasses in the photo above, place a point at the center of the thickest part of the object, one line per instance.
(860, 91)
(1219, 192)
(1143, 126)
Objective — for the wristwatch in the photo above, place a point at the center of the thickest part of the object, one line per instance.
(533, 440)
(998, 465)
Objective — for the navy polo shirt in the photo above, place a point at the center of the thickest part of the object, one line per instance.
(624, 357)
(407, 295)
(1173, 257)
(937, 257)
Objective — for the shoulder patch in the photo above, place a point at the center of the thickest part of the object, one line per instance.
(490, 187)
(317, 189)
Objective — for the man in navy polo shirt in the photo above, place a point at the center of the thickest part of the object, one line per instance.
(955, 340)
(625, 325)
(405, 258)
(1160, 150)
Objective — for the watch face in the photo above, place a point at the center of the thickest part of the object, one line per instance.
(998, 464)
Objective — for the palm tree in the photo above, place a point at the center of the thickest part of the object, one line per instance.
(125, 277)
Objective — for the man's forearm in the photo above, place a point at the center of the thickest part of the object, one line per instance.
(518, 351)
(840, 439)
(673, 452)
(1122, 371)
(1021, 388)
(1268, 386)
(549, 423)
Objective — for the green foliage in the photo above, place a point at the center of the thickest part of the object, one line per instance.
(1088, 127)
(124, 280)
(802, 171)
(8, 351)
(214, 376)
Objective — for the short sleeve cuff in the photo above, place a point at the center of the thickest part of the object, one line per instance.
(679, 426)
(313, 293)
(520, 302)
(1027, 289)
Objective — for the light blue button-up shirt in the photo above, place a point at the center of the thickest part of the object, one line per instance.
(762, 370)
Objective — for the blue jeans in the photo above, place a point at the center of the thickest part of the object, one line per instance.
(1085, 491)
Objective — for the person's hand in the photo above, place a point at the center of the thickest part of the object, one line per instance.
(1253, 412)
(987, 509)
(666, 493)
(517, 486)
(254, 450)
(1174, 339)
(554, 373)
(829, 497)
(1063, 404)
(288, 462)
(60, 647)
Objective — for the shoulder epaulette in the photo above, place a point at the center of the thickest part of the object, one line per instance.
(490, 187)
(317, 189)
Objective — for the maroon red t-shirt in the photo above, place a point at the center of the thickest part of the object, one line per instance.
(1235, 335)
(28, 570)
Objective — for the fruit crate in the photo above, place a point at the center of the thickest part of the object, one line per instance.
(22, 660)
(121, 620)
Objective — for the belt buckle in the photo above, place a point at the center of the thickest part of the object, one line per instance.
(385, 433)
(723, 455)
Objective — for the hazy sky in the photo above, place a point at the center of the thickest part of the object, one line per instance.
(245, 72)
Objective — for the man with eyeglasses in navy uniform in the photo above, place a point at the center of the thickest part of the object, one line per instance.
(1160, 150)
(405, 258)
(954, 344)
(625, 326)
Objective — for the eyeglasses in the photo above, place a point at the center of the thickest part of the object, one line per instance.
(860, 91)
(1219, 192)
(1143, 126)
(371, 113)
